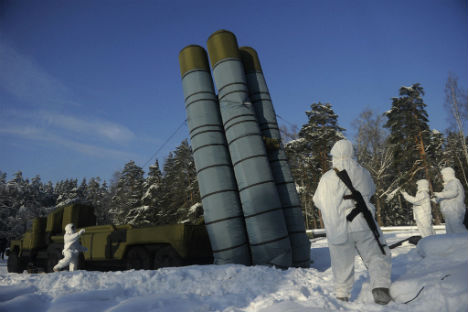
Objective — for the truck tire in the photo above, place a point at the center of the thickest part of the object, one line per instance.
(15, 264)
(138, 258)
(52, 259)
(81, 262)
(166, 257)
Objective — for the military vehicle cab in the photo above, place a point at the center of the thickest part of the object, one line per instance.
(110, 247)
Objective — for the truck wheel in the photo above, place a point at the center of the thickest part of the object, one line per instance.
(15, 264)
(138, 258)
(81, 262)
(166, 257)
(52, 259)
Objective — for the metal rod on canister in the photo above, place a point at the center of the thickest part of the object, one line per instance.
(266, 116)
(223, 215)
(264, 219)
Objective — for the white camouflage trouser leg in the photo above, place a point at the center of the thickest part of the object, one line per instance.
(342, 260)
(424, 223)
(70, 259)
(454, 221)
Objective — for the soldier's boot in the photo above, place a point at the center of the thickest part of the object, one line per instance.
(381, 295)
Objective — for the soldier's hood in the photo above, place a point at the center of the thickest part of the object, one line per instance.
(448, 174)
(69, 228)
(343, 155)
(423, 185)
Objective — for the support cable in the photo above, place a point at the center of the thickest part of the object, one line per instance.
(165, 142)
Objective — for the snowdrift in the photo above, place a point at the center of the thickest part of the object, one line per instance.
(438, 266)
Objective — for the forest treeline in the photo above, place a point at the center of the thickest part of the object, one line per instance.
(397, 147)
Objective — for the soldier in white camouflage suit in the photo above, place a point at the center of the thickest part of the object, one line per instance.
(71, 249)
(421, 208)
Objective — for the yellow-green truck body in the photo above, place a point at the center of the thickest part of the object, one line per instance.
(110, 247)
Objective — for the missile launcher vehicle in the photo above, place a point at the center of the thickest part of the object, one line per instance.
(110, 247)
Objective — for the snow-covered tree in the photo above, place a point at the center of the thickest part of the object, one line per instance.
(437, 157)
(67, 192)
(33, 199)
(49, 199)
(104, 216)
(81, 190)
(128, 193)
(97, 195)
(17, 192)
(409, 136)
(153, 194)
(5, 207)
(309, 155)
(149, 210)
(320, 133)
(180, 184)
(21, 201)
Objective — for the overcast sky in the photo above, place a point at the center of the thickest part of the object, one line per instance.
(86, 86)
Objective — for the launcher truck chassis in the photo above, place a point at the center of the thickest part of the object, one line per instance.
(110, 247)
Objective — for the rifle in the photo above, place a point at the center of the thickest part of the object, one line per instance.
(360, 207)
(412, 239)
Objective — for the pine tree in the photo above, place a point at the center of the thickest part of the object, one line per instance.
(21, 201)
(66, 192)
(49, 199)
(148, 211)
(320, 133)
(303, 173)
(128, 193)
(17, 192)
(5, 207)
(408, 139)
(106, 192)
(153, 193)
(34, 198)
(437, 157)
(96, 195)
(180, 184)
(81, 190)
(309, 155)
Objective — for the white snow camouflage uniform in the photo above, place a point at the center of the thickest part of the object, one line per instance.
(346, 238)
(71, 248)
(452, 202)
(422, 208)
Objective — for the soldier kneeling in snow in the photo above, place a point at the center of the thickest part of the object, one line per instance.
(71, 249)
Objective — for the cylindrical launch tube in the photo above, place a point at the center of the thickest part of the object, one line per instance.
(264, 219)
(218, 189)
(266, 116)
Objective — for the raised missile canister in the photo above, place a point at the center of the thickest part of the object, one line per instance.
(218, 189)
(266, 116)
(264, 219)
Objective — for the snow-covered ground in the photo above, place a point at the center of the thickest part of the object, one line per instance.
(437, 270)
